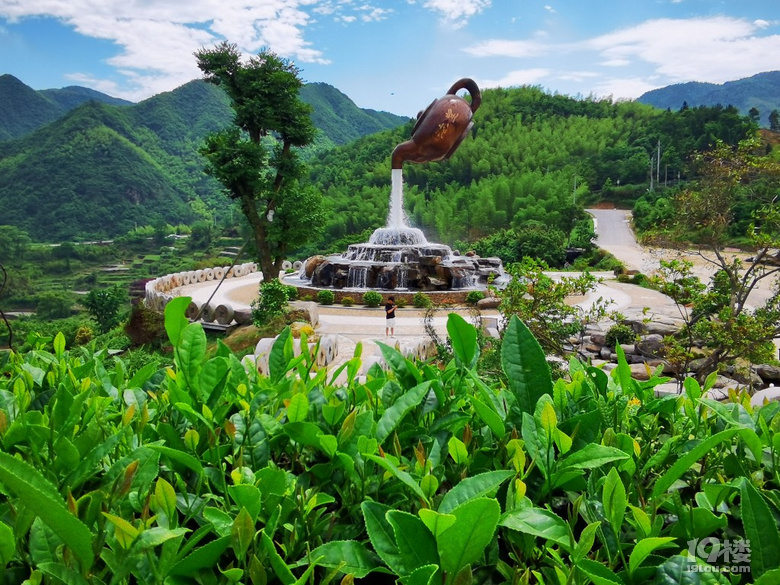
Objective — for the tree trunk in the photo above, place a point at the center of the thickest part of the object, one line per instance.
(264, 259)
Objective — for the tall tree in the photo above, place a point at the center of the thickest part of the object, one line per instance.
(257, 160)
(723, 315)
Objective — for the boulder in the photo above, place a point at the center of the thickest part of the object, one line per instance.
(488, 303)
(650, 345)
(771, 394)
(768, 373)
(311, 264)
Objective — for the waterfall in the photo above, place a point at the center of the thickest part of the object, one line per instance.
(357, 276)
(396, 217)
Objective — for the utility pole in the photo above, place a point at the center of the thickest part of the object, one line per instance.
(658, 164)
(651, 173)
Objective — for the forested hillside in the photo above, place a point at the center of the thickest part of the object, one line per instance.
(756, 96)
(533, 157)
(25, 109)
(100, 170)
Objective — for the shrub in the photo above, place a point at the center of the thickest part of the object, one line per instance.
(401, 303)
(372, 299)
(272, 302)
(326, 297)
(474, 297)
(347, 301)
(54, 305)
(292, 292)
(422, 301)
(145, 327)
(84, 335)
(620, 334)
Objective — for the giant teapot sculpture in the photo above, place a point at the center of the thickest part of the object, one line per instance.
(441, 127)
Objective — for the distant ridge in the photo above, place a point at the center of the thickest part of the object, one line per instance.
(761, 91)
(74, 162)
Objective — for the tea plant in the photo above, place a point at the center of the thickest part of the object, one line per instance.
(208, 472)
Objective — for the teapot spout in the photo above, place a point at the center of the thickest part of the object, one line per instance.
(403, 152)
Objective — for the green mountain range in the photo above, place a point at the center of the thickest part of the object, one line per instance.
(82, 164)
(761, 91)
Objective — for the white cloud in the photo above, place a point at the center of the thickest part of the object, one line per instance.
(156, 40)
(457, 11)
(518, 77)
(506, 48)
(712, 49)
(622, 88)
(550, 9)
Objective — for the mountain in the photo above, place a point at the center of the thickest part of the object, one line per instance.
(761, 91)
(102, 168)
(25, 109)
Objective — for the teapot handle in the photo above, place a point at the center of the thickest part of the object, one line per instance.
(471, 86)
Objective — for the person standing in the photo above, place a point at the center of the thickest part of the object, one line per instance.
(390, 317)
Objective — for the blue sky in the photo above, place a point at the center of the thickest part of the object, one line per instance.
(395, 55)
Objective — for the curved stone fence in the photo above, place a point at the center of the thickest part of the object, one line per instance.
(160, 291)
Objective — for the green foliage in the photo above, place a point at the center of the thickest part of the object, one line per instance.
(347, 301)
(214, 473)
(325, 297)
(54, 305)
(619, 334)
(474, 296)
(272, 302)
(372, 298)
(420, 300)
(104, 305)
(535, 240)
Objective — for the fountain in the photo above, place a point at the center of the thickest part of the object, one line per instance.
(398, 257)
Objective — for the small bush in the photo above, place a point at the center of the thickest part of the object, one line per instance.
(372, 299)
(401, 303)
(307, 298)
(292, 292)
(620, 334)
(347, 301)
(272, 302)
(422, 301)
(326, 297)
(474, 297)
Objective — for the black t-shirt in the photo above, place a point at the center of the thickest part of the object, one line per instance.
(389, 310)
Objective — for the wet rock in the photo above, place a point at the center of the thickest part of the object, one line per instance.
(768, 373)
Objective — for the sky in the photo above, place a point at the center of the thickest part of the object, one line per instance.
(395, 55)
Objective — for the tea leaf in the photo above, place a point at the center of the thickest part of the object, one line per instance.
(465, 541)
(402, 475)
(525, 365)
(392, 417)
(614, 500)
(476, 486)
(539, 522)
(491, 418)
(175, 321)
(298, 408)
(242, 533)
(356, 558)
(124, 532)
(277, 360)
(598, 573)
(422, 576)
(591, 456)
(277, 562)
(675, 571)
(416, 544)
(463, 337)
(204, 557)
(760, 529)
(7, 544)
(644, 548)
(381, 534)
(587, 538)
(180, 457)
(27, 483)
(436, 521)
(65, 574)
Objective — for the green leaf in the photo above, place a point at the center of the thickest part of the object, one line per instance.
(483, 484)
(525, 365)
(165, 498)
(381, 534)
(38, 494)
(686, 461)
(7, 544)
(242, 533)
(591, 456)
(180, 457)
(676, 571)
(489, 416)
(59, 345)
(587, 538)
(458, 451)
(393, 416)
(190, 353)
(348, 556)
(405, 478)
(175, 321)
(598, 573)
(539, 522)
(247, 497)
(614, 500)
(464, 542)
(205, 557)
(644, 548)
(422, 576)
(463, 337)
(436, 521)
(760, 529)
(277, 360)
(298, 409)
(404, 370)
(769, 578)
(65, 574)
(277, 562)
(416, 544)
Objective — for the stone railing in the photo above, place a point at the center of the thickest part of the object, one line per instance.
(160, 291)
